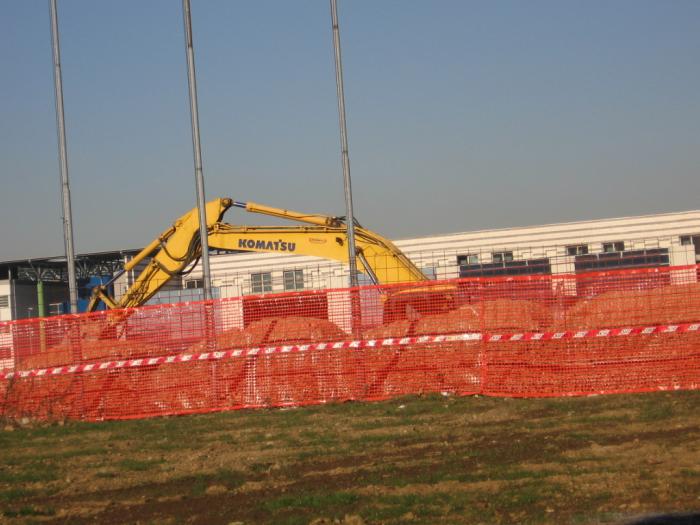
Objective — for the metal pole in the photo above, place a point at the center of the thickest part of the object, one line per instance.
(199, 178)
(350, 219)
(63, 161)
(40, 302)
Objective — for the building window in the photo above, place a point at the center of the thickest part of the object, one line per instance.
(430, 272)
(502, 257)
(496, 269)
(470, 258)
(616, 260)
(4, 301)
(577, 249)
(610, 247)
(194, 283)
(261, 282)
(690, 240)
(55, 308)
(293, 280)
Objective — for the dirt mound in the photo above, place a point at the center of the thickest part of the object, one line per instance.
(396, 329)
(89, 351)
(50, 358)
(293, 329)
(233, 338)
(129, 349)
(507, 314)
(463, 319)
(668, 304)
(499, 314)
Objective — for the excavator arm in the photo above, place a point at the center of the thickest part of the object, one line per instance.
(179, 247)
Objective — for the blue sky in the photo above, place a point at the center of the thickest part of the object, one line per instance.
(461, 115)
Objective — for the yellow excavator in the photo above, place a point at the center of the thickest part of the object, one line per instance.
(179, 247)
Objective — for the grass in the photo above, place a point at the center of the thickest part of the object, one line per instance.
(199, 483)
(31, 472)
(16, 494)
(29, 511)
(429, 459)
(318, 500)
(139, 465)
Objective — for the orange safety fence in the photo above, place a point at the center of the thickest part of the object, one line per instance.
(528, 336)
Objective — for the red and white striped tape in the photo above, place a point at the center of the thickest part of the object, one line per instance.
(598, 332)
(357, 344)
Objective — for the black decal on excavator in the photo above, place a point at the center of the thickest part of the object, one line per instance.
(271, 246)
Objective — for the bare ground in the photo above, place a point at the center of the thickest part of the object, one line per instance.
(430, 460)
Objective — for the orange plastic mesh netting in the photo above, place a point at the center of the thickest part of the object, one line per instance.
(606, 332)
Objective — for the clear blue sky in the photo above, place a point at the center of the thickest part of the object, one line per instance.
(462, 115)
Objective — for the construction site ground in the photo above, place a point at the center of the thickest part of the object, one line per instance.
(422, 459)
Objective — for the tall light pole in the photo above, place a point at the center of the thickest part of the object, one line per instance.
(199, 178)
(349, 216)
(63, 161)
